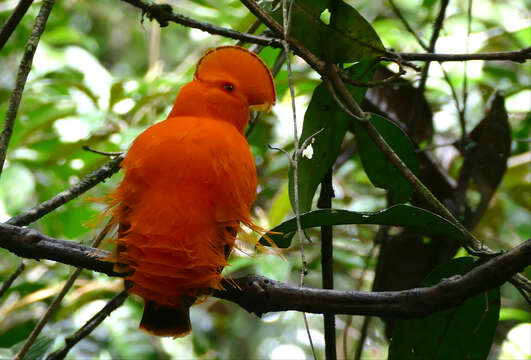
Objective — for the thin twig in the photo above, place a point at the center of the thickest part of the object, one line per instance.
(164, 14)
(361, 341)
(13, 20)
(459, 108)
(363, 336)
(46, 316)
(436, 146)
(22, 75)
(7, 284)
(327, 264)
(255, 25)
(63, 197)
(58, 298)
(437, 26)
(89, 326)
(286, 24)
(519, 56)
(99, 152)
(408, 27)
(462, 111)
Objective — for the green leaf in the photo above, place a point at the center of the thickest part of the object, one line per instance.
(324, 113)
(37, 350)
(347, 38)
(462, 332)
(397, 215)
(381, 170)
(513, 314)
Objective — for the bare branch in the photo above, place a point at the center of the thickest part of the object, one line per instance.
(260, 295)
(408, 27)
(6, 284)
(519, 56)
(88, 182)
(57, 300)
(164, 14)
(22, 75)
(31, 244)
(89, 326)
(13, 20)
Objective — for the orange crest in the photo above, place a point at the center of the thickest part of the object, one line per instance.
(244, 69)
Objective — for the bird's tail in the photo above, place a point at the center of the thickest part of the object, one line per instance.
(163, 320)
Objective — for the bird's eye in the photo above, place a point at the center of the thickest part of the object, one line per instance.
(228, 87)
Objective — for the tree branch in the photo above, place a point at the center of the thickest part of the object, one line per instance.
(89, 326)
(260, 295)
(519, 56)
(31, 244)
(13, 20)
(164, 14)
(6, 284)
(22, 75)
(88, 182)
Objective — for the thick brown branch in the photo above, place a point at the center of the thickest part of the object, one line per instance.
(164, 14)
(260, 295)
(29, 243)
(518, 56)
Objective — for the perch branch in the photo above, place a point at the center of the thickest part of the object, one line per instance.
(22, 75)
(31, 244)
(260, 295)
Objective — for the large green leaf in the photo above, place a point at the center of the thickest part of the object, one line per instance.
(378, 167)
(347, 38)
(397, 215)
(324, 113)
(462, 332)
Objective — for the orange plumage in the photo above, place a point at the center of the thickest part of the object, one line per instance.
(189, 183)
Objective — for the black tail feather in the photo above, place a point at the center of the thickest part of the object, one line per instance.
(166, 321)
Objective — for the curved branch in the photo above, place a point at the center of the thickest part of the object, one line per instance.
(163, 13)
(259, 295)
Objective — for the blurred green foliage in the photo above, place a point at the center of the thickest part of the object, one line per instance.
(101, 76)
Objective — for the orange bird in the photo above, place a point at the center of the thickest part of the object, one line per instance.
(189, 183)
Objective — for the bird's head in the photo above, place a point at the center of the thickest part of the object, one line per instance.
(228, 80)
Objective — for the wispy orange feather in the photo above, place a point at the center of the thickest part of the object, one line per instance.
(189, 183)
